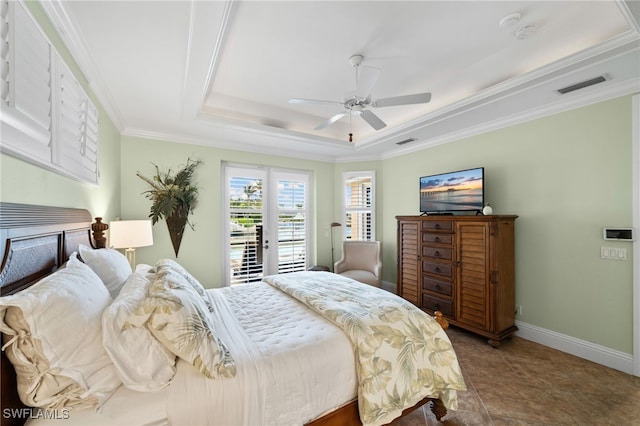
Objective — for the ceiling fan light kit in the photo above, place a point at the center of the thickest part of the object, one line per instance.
(356, 60)
(358, 102)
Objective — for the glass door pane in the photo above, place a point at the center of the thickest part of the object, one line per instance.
(246, 226)
(267, 223)
(292, 223)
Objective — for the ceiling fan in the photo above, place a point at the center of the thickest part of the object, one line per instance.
(356, 103)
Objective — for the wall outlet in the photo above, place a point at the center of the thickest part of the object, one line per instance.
(518, 309)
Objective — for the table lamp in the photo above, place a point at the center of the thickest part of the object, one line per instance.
(129, 234)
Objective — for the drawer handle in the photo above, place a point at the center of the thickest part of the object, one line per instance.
(436, 306)
(437, 269)
(438, 287)
(437, 226)
(436, 253)
(436, 239)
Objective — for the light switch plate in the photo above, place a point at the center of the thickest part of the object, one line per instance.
(613, 253)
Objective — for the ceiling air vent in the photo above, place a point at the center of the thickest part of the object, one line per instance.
(406, 141)
(582, 84)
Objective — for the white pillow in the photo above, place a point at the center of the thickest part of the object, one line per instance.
(143, 363)
(54, 339)
(111, 266)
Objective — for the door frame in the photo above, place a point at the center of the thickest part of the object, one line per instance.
(270, 211)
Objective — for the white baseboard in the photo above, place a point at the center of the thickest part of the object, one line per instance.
(581, 348)
(590, 351)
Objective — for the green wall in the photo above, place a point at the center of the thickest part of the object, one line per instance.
(201, 251)
(566, 176)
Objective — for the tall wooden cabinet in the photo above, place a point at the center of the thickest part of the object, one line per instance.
(462, 266)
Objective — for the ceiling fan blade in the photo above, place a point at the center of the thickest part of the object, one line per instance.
(330, 121)
(418, 98)
(313, 101)
(373, 120)
(367, 78)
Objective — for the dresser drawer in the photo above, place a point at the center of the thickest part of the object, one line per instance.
(437, 252)
(436, 225)
(442, 269)
(436, 304)
(432, 237)
(437, 286)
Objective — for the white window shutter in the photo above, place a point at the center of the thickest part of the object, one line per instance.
(359, 205)
(77, 128)
(26, 92)
(46, 117)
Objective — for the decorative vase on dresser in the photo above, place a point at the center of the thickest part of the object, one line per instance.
(462, 266)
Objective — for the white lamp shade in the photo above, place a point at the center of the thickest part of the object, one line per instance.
(130, 233)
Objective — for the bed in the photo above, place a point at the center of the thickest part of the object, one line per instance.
(254, 377)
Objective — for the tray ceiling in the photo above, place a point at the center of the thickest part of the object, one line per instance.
(221, 73)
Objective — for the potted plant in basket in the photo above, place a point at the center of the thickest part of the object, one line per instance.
(174, 196)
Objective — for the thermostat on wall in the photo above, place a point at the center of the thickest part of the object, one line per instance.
(618, 234)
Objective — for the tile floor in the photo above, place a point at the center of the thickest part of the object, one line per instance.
(524, 383)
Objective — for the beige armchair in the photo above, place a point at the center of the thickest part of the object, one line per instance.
(361, 261)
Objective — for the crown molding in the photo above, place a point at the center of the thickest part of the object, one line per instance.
(227, 143)
(610, 92)
(614, 48)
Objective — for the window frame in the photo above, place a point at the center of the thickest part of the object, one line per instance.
(66, 141)
(349, 210)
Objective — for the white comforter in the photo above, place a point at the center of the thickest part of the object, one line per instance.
(292, 365)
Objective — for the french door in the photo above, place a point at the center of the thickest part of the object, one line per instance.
(267, 218)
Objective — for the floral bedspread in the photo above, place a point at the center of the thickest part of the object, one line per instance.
(403, 355)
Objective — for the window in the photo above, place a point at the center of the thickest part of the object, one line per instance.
(359, 205)
(46, 118)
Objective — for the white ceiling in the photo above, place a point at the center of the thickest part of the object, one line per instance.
(220, 73)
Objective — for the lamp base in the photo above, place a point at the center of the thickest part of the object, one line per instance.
(131, 257)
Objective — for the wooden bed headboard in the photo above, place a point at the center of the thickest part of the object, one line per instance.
(34, 242)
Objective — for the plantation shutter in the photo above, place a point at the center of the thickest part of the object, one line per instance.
(46, 117)
(359, 208)
(245, 205)
(78, 129)
(292, 224)
(26, 85)
(267, 226)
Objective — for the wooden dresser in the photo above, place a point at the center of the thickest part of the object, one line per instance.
(462, 266)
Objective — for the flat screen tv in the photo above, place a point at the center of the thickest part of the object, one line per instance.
(452, 192)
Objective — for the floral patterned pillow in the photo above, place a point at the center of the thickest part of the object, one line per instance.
(178, 317)
(171, 265)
